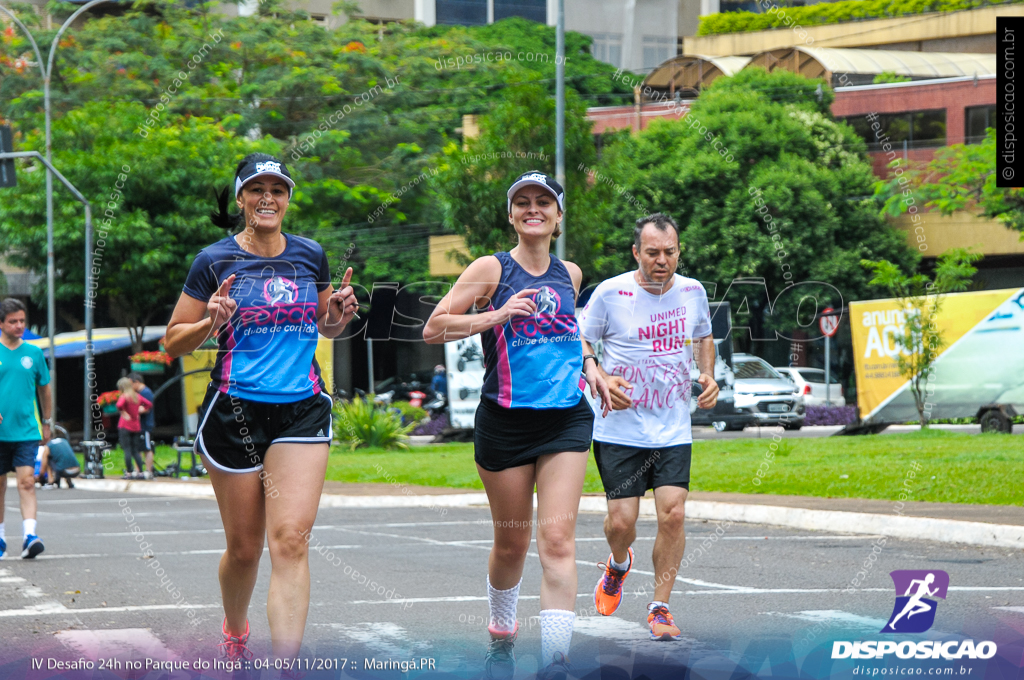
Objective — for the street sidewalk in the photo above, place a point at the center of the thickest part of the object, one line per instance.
(987, 525)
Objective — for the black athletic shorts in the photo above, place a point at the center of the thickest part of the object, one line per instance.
(14, 455)
(628, 472)
(234, 434)
(509, 437)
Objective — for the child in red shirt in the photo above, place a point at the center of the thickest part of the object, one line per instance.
(129, 426)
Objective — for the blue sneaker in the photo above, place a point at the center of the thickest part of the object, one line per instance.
(3, 548)
(32, 547)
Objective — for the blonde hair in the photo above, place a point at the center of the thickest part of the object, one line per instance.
(128, 389)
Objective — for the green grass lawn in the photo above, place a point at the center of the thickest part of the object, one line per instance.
(955, 467)
(162, 457)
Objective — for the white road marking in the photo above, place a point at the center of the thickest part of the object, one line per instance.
(611, 628)
(432, 541)
(695, 536)
(163, 533)
(58, 608)
(164, 513)
(721, 587)
(452, 598)
(215, 551)
(220, 551)
(21, 586)
(384, 637)
(127, 643)
(836, 616)
(54, 501)
(734, 591)
(1019, 610)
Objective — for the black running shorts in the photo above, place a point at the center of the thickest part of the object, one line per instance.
(234, 434)
(628, 472)
(509, 437)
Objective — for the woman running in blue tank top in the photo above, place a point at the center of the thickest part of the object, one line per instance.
(533, 425)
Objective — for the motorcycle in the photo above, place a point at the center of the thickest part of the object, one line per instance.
(438, 405)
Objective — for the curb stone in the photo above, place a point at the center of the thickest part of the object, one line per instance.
(918, 528)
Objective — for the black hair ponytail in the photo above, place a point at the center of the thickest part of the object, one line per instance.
(220, 217)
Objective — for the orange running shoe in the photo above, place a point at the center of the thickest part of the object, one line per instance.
(235, 647)
(608, 593)
(662, 625)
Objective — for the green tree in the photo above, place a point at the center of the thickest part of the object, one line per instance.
(919, 299)
(890, 77)
(959, 177)
(517, 136)
(764, 185)
(150, 196)
(362, 113)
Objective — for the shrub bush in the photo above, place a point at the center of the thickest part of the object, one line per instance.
(434, 427)
(359, 423)
(410, 413)
(829, 13)
(830, 415)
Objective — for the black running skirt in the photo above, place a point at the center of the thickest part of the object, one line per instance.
(509, 437)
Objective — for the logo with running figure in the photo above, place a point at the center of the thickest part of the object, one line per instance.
(547, 301)
(280, 291)
(914, 612)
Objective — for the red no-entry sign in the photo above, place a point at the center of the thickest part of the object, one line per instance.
(828, 324)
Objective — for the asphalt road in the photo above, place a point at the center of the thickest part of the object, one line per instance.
(92, 593)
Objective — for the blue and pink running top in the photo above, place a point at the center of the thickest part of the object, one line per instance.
(534, 361)
(265, 352)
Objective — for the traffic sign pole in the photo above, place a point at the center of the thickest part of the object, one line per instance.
(828, 325)
(828, 385)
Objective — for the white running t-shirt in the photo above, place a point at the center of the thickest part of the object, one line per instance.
(647, 340)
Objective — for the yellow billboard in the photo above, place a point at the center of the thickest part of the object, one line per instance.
(981, 361)
(202, 360)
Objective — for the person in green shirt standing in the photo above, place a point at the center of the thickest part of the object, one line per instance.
(23, 377)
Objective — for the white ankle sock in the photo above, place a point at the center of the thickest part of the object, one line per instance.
(29, 526)
(657, 603)
(1, 526)
(623, 566)
(503, 607)
(555, 633)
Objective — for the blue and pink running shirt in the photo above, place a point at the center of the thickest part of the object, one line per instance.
(534, 361)
(265, 352)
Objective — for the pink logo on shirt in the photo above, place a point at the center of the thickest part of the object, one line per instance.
(548, 301)
(278, 290)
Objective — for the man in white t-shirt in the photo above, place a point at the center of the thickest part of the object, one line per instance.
(650, 322)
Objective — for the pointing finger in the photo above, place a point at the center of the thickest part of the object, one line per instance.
(348, 277)
(225, 288)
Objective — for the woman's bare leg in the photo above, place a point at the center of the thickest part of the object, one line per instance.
(560, 478)
(293, 479)
(510, 495)
(240, 499)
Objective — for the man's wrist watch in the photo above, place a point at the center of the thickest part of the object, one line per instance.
(590, 356)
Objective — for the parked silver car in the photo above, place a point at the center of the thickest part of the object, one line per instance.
(811, 383)
(764, 393)
(724, 415)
